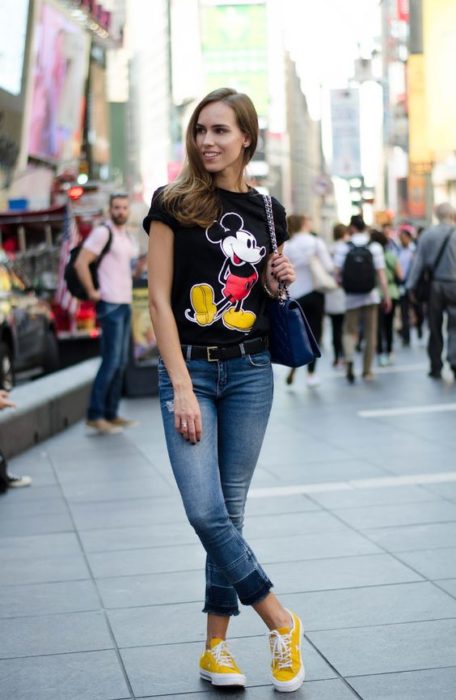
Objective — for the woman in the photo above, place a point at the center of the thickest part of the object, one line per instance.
(385, 327)
(210, 272)
(300, 249)
(335, 303)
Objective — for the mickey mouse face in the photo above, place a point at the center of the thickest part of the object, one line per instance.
(238, 245)
(242, 248)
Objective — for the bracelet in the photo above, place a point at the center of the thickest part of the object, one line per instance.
(268, 291)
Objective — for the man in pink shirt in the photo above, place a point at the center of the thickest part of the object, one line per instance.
(113, 304)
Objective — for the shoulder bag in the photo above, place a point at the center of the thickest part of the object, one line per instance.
(291, 341)
(322, 280)
(422, 289)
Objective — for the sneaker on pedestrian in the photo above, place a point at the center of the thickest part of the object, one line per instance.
(383, 360)
(218, 666)
(287, 666)
(368, 376)
(122, 422)
(313, 380)
(349, 373)
(18, 482)
(103, 427)
(290, 376)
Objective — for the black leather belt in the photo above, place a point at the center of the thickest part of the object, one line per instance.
(214, 353)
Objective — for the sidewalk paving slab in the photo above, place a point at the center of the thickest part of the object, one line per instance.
(102, 578)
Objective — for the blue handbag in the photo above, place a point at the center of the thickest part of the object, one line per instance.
(291, 341)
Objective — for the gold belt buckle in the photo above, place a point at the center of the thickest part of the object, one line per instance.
(209, 358)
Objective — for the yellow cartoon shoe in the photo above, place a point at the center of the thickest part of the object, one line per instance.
(239, 320)
(202, 298)
(287, 666)
(218, 666)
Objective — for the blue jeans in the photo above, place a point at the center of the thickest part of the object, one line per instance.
(214, 476)
(115, 342)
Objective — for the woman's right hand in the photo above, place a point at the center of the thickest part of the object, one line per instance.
(187, 415)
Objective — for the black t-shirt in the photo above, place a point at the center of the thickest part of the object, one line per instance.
(217, 297)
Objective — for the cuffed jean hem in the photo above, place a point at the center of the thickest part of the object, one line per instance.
(258, 596)
(226, 612)
(232, 612)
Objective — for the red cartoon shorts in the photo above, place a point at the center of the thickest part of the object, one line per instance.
(238, 288)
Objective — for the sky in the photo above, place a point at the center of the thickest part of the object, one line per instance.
(325, 36)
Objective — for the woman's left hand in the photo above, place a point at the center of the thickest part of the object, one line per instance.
(279, 269)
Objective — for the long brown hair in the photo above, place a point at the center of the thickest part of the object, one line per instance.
(192, 197)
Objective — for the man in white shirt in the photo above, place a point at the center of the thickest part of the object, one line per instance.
(113, 304)
(362, 307)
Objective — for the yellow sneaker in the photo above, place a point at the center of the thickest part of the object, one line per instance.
(287, 667)
(218, 666)
(239, 320)
(202, 298)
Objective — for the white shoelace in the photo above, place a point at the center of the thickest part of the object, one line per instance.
(280, 649)
(222, 655)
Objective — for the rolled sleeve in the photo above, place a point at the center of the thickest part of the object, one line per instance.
(157, 212)
(96, 240)
(280, 221)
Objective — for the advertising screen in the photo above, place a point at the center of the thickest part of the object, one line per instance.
(60, 69)
(13, 29)
(234, 40)
(98, 115)
(346, 159)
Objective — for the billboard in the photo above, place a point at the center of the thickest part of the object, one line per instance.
(98, 115)
(13, 30)
(60, 69)
(234, 42)
(419, 145)
(439, 27)
(346, 152)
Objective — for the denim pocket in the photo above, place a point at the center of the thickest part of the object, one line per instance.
(260, 359)
(106, 308)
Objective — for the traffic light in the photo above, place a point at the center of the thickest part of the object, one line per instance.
(75, 192)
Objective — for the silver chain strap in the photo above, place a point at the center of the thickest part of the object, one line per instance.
(283, 291)
(270, 221)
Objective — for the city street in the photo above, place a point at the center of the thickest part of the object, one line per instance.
(352, 512)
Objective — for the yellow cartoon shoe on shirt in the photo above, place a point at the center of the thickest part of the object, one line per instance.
(239, 320)
(202, 298)
(287, 666)
(218, 666)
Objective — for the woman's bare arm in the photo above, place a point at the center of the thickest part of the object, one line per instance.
(187, 414)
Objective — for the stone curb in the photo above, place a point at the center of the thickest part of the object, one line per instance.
(46, 406)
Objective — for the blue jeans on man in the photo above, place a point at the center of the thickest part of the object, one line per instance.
(115, 322)
(214, 476)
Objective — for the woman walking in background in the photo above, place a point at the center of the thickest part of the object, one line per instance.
(302, 246)
(385, 327)
(335, 303)
(210, 272)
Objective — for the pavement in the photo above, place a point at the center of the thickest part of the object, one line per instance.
(352, 512)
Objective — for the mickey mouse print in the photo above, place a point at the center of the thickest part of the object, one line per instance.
(236, 277)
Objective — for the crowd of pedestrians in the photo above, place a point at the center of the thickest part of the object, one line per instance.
(372, 307)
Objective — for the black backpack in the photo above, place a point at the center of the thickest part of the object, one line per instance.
(73, 283)
(358, 273)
